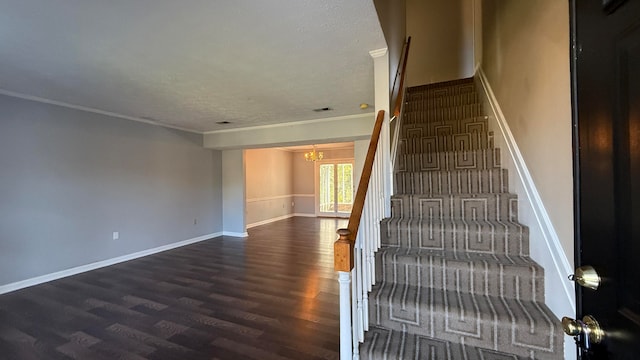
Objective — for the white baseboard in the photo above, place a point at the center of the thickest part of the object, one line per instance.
(283, 217)
(304, 215)
(235, 234)
(268, 221)
(560, 296)
(100, 264)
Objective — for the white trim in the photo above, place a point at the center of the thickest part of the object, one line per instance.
(93, 110)
(268, 221)
(235, 234)
(267, 198)
(100, 264)
(283, 217)
(377, 53)
(477, 70)
(304, 215)
(555, 263)
(292, 123)
(304, 195)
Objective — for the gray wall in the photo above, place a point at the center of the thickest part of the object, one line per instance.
(233, 193)
(69, 179)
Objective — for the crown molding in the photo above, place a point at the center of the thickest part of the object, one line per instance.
(92, 110)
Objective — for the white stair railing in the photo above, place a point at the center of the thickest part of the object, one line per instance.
(355, 249)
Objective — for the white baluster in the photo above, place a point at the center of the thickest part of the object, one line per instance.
(346, 345)
(365, 289)
(358, 330)
(366, 240)
(356, 299)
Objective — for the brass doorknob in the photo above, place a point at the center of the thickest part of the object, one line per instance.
(586, 276)
(588, 327)
(571, 327)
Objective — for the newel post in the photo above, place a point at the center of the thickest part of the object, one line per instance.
(343, 264)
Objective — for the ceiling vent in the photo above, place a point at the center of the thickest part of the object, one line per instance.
(323, 109)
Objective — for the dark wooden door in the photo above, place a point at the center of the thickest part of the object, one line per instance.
(606, 90)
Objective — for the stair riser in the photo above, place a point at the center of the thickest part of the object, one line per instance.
(510, 239)
(469, 207)
(464, 160)
(424, 101)
(439, 114)
(452, 182)
(468, 320)
(463, 87)
(442, 128)
(455, 142)
(469, 276)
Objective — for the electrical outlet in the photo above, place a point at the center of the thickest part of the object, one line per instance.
(292, 204)
(116, 235)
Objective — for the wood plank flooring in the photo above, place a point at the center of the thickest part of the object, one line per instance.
(273, 296)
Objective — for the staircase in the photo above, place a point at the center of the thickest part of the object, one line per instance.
(455, 280)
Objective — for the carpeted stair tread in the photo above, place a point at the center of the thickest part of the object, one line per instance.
(412, 128)
(515, 260)
(446, 113)
(445, 143)
(425, 100)
(515, 326)
(480, 206)
(452, 182)
(482, 274)
(485, 236)
(381, 343)
(450, 160)
(446, 88)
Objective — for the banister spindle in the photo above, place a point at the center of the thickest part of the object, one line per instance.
(343, 263)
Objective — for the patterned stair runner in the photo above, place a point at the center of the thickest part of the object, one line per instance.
(455, 279)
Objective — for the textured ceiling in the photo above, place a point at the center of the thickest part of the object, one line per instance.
(192, 63)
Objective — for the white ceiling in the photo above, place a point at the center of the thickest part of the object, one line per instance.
(192, 63)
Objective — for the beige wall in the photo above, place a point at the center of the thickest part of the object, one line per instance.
(276, 179)
(269, 188)
(303, 185)
(526, 61)
(442, 40)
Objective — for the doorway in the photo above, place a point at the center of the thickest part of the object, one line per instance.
(334, 188)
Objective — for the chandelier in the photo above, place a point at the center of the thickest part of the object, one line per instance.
(313, 155)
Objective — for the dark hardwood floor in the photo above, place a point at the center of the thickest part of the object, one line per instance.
(273, 295)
